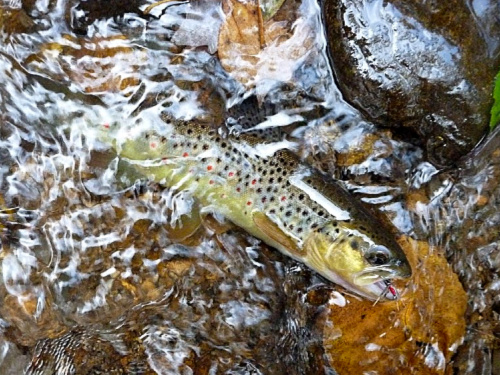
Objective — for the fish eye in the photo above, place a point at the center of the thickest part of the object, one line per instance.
(377, 256)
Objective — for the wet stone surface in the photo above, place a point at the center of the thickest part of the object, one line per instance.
(424, 68)
(96, 276)
(464, 217)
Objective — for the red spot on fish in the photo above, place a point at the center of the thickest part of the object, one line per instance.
(230, 174)
(238, 189)
(164, 159)
(211, 182)
(153, 145)
(392, 290)
(185, 154)
(105, 126)
(249, 203)
(283, 198)
(254, 182)
(209, 168)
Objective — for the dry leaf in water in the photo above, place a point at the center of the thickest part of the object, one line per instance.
(252, 50)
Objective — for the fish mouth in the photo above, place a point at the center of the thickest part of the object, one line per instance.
(381, 290)
(377, 285)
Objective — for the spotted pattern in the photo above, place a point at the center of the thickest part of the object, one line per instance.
(227, 171)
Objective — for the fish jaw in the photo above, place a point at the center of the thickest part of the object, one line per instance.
(347, 267)
(379, 289)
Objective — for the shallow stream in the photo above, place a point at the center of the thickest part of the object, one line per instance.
(95, 280)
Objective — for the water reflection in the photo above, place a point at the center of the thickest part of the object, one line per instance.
(95, 277)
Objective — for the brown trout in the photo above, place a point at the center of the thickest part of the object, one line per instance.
(263, 187)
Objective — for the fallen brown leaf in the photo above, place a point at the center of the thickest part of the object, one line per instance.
(417, 335)
(250, 49)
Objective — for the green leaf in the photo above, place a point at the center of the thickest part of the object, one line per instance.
(495, 110)
(270, 7)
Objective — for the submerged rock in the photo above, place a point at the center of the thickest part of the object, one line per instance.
(424, 66)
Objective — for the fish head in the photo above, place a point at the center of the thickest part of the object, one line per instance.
(362, 259)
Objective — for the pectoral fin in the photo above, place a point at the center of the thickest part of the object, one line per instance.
(214, 222)
(273, 231)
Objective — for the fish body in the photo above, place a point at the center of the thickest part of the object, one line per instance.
(261, 186)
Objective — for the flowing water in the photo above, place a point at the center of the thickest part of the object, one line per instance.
(95, 278)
